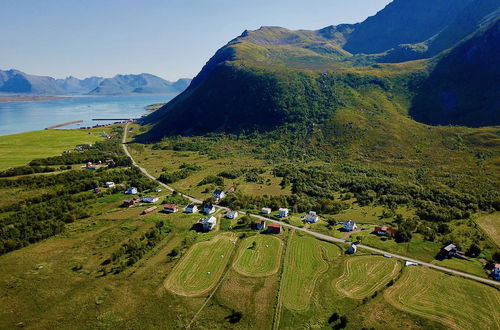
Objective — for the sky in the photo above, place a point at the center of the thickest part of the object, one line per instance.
(168, 38)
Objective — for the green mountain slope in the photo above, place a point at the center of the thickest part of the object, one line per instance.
(464, 86)
(403, 22)
(274, 77)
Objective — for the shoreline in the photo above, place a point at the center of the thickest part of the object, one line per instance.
(25, 98)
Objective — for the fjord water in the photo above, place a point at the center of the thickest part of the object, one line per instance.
(17, 117)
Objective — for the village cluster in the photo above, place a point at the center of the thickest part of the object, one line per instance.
(209, 221)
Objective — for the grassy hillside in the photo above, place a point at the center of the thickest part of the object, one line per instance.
(19, 149)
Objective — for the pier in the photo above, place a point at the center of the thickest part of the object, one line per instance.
(65, 124)
(108, 119)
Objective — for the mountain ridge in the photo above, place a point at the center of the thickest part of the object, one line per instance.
(273, 76)
(17, 82)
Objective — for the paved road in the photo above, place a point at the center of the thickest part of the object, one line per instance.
(312, 233)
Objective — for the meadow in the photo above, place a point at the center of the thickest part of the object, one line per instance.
(19, 149)
(258, 256)
(446, 299)
(306, 260)
(201, 267)
(491, 225)
(364, 275)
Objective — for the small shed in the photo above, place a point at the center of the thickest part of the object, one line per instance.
(149, 210)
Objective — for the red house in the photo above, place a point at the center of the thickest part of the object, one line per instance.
(274, 228)
(128, 203)
(169, 208)
(385, 231)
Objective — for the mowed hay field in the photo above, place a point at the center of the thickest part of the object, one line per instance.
(456, 302)
(491, 225)
(261, 260)
(306, 259)
(201, 267)
(364, 275)
(20, 149)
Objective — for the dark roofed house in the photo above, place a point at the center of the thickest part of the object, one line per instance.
(448, 251)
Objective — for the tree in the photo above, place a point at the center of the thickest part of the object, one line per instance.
(173, 253)
(235, 317)
(473, 251)
(402, 236)
(333, 318)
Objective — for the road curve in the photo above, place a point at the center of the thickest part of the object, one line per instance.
(312, 233)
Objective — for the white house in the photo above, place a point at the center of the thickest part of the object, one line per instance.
(209, 223)
(312, 217)
(109, 184)
(131, 191)
(232, 214)
(219, 194)
(191, 208)
(150, 199)
(208, 209)
(265, 210)
(283, 213)
(349, 225)
(352, 249)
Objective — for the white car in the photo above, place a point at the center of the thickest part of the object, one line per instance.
(158, 190)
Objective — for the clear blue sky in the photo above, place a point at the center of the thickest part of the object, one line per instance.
(169, 38)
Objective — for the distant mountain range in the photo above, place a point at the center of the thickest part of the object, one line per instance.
(17, 82)
(432, 61)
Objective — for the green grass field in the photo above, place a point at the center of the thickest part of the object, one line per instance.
(491, 225)
(363, 275)
(20, 149)
(446, 299)
(261, 260)
(201, 267)
(306, 260)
